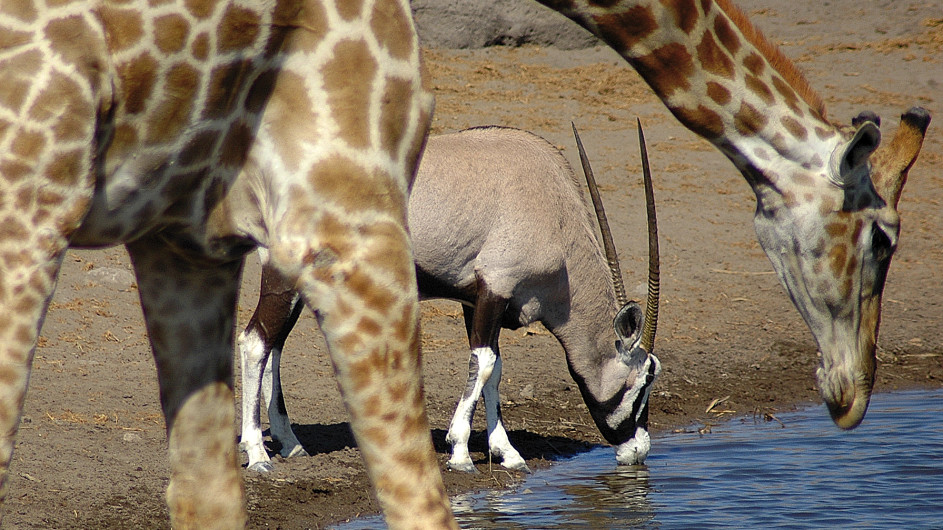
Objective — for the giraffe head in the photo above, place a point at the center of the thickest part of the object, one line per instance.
(826, 196)
(830, 233)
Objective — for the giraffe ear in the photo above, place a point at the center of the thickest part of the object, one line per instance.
(849, 160)
(890, 164)
(866, 140)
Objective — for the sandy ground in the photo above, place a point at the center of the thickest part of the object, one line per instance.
(91, 452)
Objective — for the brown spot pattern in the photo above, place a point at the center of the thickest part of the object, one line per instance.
(138, 78)
(852, 266)
(758, 87)
(789, 95)
(624, 30)
(353, 188)
(837, 258)
(796, 129)
(10, 38)
(684, 12)
(234, 149)
(307, 16)
(170, 33)
(200, 47)
(377, 434)
(173, 112)
(63, 33)
(394, 112)
(718, 93)
(362, 370)
(260, 90)
(352, 68)
(200, 8)
(199, 149)
(374, 296)
(802, 178)
(334, 235)
(11, 229)
(666, 69)
(66, 169)
(824, 134)
(391, 27)
(713, 58)
(238, 29)
(749, 120)
(726, 35)
(123, 27)
(836, 230)
(387, 243)
(226, 83)
(19, 71)
(13, 171)
(369, 327)
(701, 120)
(290, 108)
(350, 9)
(754, 63)
(24, 11)
(28, 145)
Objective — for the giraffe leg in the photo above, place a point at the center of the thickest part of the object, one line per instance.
(483, 324)
(25, 291)
(260, 346)
(189, 308)
(359, 279)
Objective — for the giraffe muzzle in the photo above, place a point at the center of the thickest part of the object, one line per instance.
(846, 398)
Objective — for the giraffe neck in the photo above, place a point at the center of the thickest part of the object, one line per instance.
(719, 76)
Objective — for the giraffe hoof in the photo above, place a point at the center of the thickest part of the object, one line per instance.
(261, 467)
(465, 467)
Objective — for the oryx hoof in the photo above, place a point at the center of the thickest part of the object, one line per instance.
(290, 452)
(261, 467)
(465, 467)
(516, 464)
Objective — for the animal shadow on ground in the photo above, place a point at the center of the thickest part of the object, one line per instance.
(530, 445)
(324, 439)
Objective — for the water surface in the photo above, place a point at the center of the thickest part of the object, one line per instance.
(746, 473)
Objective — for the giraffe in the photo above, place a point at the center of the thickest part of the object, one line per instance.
(193, 131)
(826, 215)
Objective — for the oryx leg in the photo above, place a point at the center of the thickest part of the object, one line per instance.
(260, 348)
(483, 324)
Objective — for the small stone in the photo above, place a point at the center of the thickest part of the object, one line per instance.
(528, 391)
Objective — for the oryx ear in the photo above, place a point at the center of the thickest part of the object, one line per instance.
(853, 155)
(628, 326)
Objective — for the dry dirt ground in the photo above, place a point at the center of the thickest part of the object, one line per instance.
(91, 451)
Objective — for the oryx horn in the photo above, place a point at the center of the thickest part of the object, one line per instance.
(651, 309)
(608, 246)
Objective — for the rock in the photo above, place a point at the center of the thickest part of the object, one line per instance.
(528, 391)
(132, 437)
(111, 276)
(481, 23)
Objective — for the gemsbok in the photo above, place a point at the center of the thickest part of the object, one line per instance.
(499, 224)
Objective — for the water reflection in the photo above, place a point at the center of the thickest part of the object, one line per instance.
(620, 495)
(609, 498)
(888, 473)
